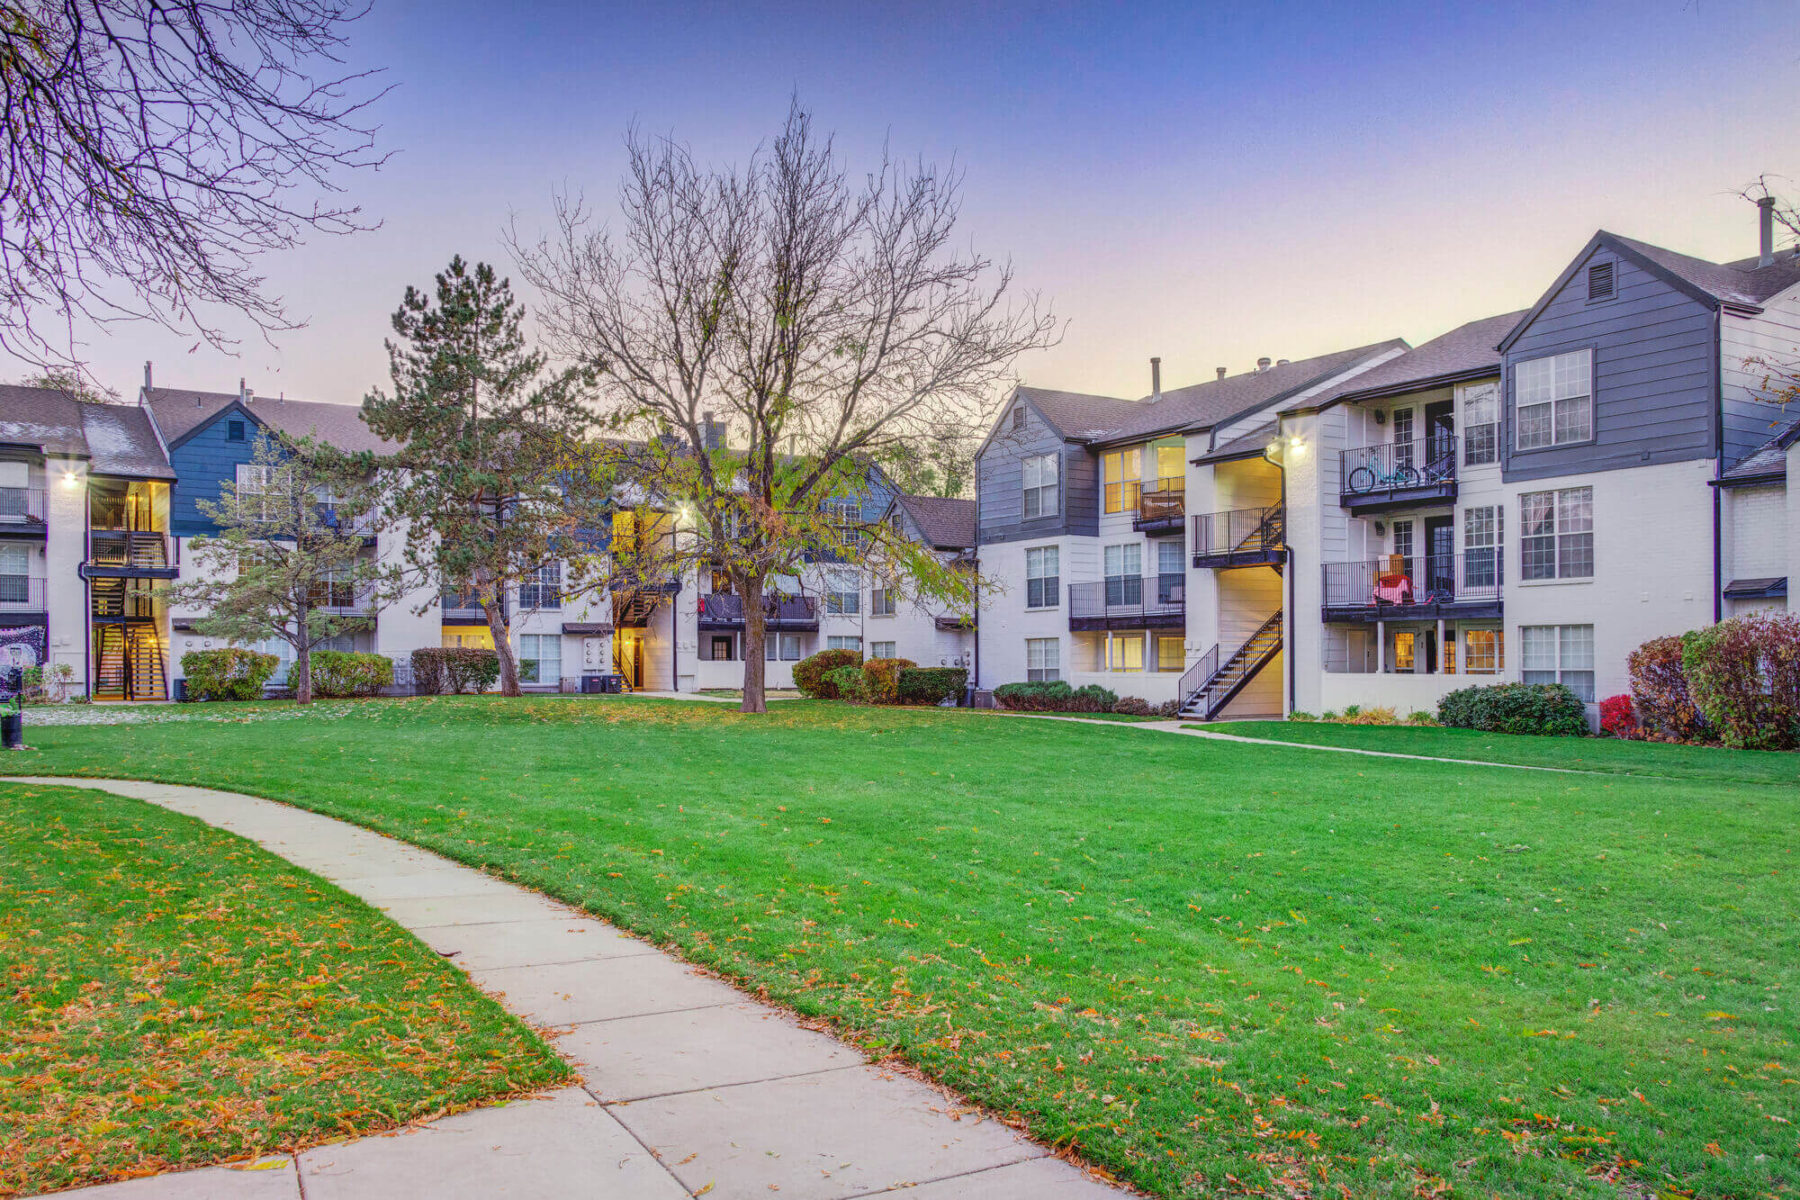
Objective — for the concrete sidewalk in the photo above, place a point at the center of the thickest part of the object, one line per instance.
(688, 1087)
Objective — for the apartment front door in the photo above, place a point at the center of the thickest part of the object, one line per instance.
(1440, 557)
(628, 656)
(1440, 443)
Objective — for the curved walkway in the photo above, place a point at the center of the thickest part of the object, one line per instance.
(688, 1086)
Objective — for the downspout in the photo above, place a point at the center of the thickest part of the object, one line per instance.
(975, 664)
(1293, 623)
(1718, 556)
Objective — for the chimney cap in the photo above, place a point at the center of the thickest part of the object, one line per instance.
(1155, 378)
(1262, 364)
(1221, 371)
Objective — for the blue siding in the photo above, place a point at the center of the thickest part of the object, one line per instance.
(1655, 373)
(999, 480)
(201, 464)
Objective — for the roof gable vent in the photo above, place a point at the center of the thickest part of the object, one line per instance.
(1600, 281)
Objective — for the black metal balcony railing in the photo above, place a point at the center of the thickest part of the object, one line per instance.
(21, 506)
(128, 548)
(1398, 582)
(1243, 535)
(340, 598)
(460, 606)
(1161, 504)
(1424, 469)
(722, 610)
(21, 592)
(1121, 600)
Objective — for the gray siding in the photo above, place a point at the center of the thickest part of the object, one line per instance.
(1000, 483)
(1655, 373)
(1773, 334)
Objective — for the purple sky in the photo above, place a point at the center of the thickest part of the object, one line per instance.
(1205, 183)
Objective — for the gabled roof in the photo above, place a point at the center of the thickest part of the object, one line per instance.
(180, 413)
(116, 439)
(1468, 351)
(1742, 284)
(1078, 415)
(944, 523)
(1768, 462)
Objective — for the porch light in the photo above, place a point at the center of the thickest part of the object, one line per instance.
(1296, 446)
(71, 480)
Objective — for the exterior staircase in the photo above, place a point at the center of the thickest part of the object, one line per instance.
(1210, 685)
(130, 663)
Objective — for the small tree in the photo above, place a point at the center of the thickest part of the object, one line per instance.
(831, 322)
(496, 477)
(288, 562)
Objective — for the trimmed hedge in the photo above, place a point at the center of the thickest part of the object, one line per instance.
(1549, 709)
(932, 685)
(1054, 696)
(1744, 677)
(810, 673)
(229, 674)
(881, 679)
(456, 669)
(846, 683)
(347, 673)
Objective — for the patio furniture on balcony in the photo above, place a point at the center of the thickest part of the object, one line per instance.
(1398, 474)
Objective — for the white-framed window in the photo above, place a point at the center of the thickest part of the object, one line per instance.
(845, 514)
(1481, 424)
(335, 588)
(722, 650)
(540, 658)
(1122, 653)
(1483, 651)
(881, 650)
(881, 602)
(1558, 654)
(1124, 565)
(15, 573)
(1120, 472)
(844, 643)
(1043, 660)
(542, 588)
(1403, 439)
(843, 595)
(1043, 577)
(1482, 545)
(782, 647)
(1170, 653)
(253, 483)
(1403, 543)
(1555, 399)
(1556, 534)
(1040, 473)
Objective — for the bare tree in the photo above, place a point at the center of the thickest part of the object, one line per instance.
(830, 324)
(1780, 373)
(154, 148)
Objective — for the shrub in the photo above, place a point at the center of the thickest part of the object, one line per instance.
(1744, 677)
(809, 673)
(1301, 716)
(1169, 709)
(1328, 715)
(881, 679)
(342, 673)
(1617, 717)
(1536, 708)
(456, 669)
(932, 685)
(847, 683)
(1093, 698)
(1053, 696)
(1132, 706)
(229, 674)
(1379, 715)
(1420, 717)
(1659, 690)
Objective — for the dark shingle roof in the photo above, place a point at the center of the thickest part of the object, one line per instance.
(116, 439)
(1741, 282)
(179, 411)
(945, 523)
(1076, 414)
(1244, 446)
(1465, 349)
(1768, 460)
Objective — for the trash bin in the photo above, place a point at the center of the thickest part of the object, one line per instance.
(12, 709)
(612, 685)
(181, 690)
(593, 685)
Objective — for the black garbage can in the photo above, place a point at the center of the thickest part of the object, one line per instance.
(612, 685)
(592, 685)
(12, 714)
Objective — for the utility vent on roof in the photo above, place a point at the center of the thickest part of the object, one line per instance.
(1600, 281)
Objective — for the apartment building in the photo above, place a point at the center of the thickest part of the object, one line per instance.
(1529, 496)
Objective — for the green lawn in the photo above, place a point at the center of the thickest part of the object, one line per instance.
(174, 995)
(1211, 967)
(1581, 754)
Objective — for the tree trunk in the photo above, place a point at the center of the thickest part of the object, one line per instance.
(500, 628)
(755, 635)
(303, 666)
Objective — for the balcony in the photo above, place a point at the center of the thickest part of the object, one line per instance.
(792, 614)
(21, 593)
(127, 554)
(21, 510)
(1397, 588)
(342, 600)
(458, 608)
(1128, 602)
(1398, 474)
(1161, 504)
(1243, 537)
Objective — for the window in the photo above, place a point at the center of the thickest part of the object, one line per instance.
(1483, 653)
(783, 647)
(1043, 660)
(842, 595)
(1559, 654)
(881, 650)
(15, 572)
(1481, 424)
(542, 588)
(845, 515)
(721, 648)
(1600, 281)
(1123, 653)
(1170, 465)
(234, 431)
(1119, 471)
(1125, 573)
(844, 643)
(881, 602)
(1555, 399)
(1169, 655)
(1482, 546)
(334, 589)
(540, 658)
(1403, 439)
(1043, 581)
(1403, 545)
(253, 483)
(1171, 573)
(1556, 534)
(1040, 486)
(1405, 650)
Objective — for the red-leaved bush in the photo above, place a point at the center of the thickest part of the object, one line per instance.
(1744, 676)
(1617, 717)
(1659, 691)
